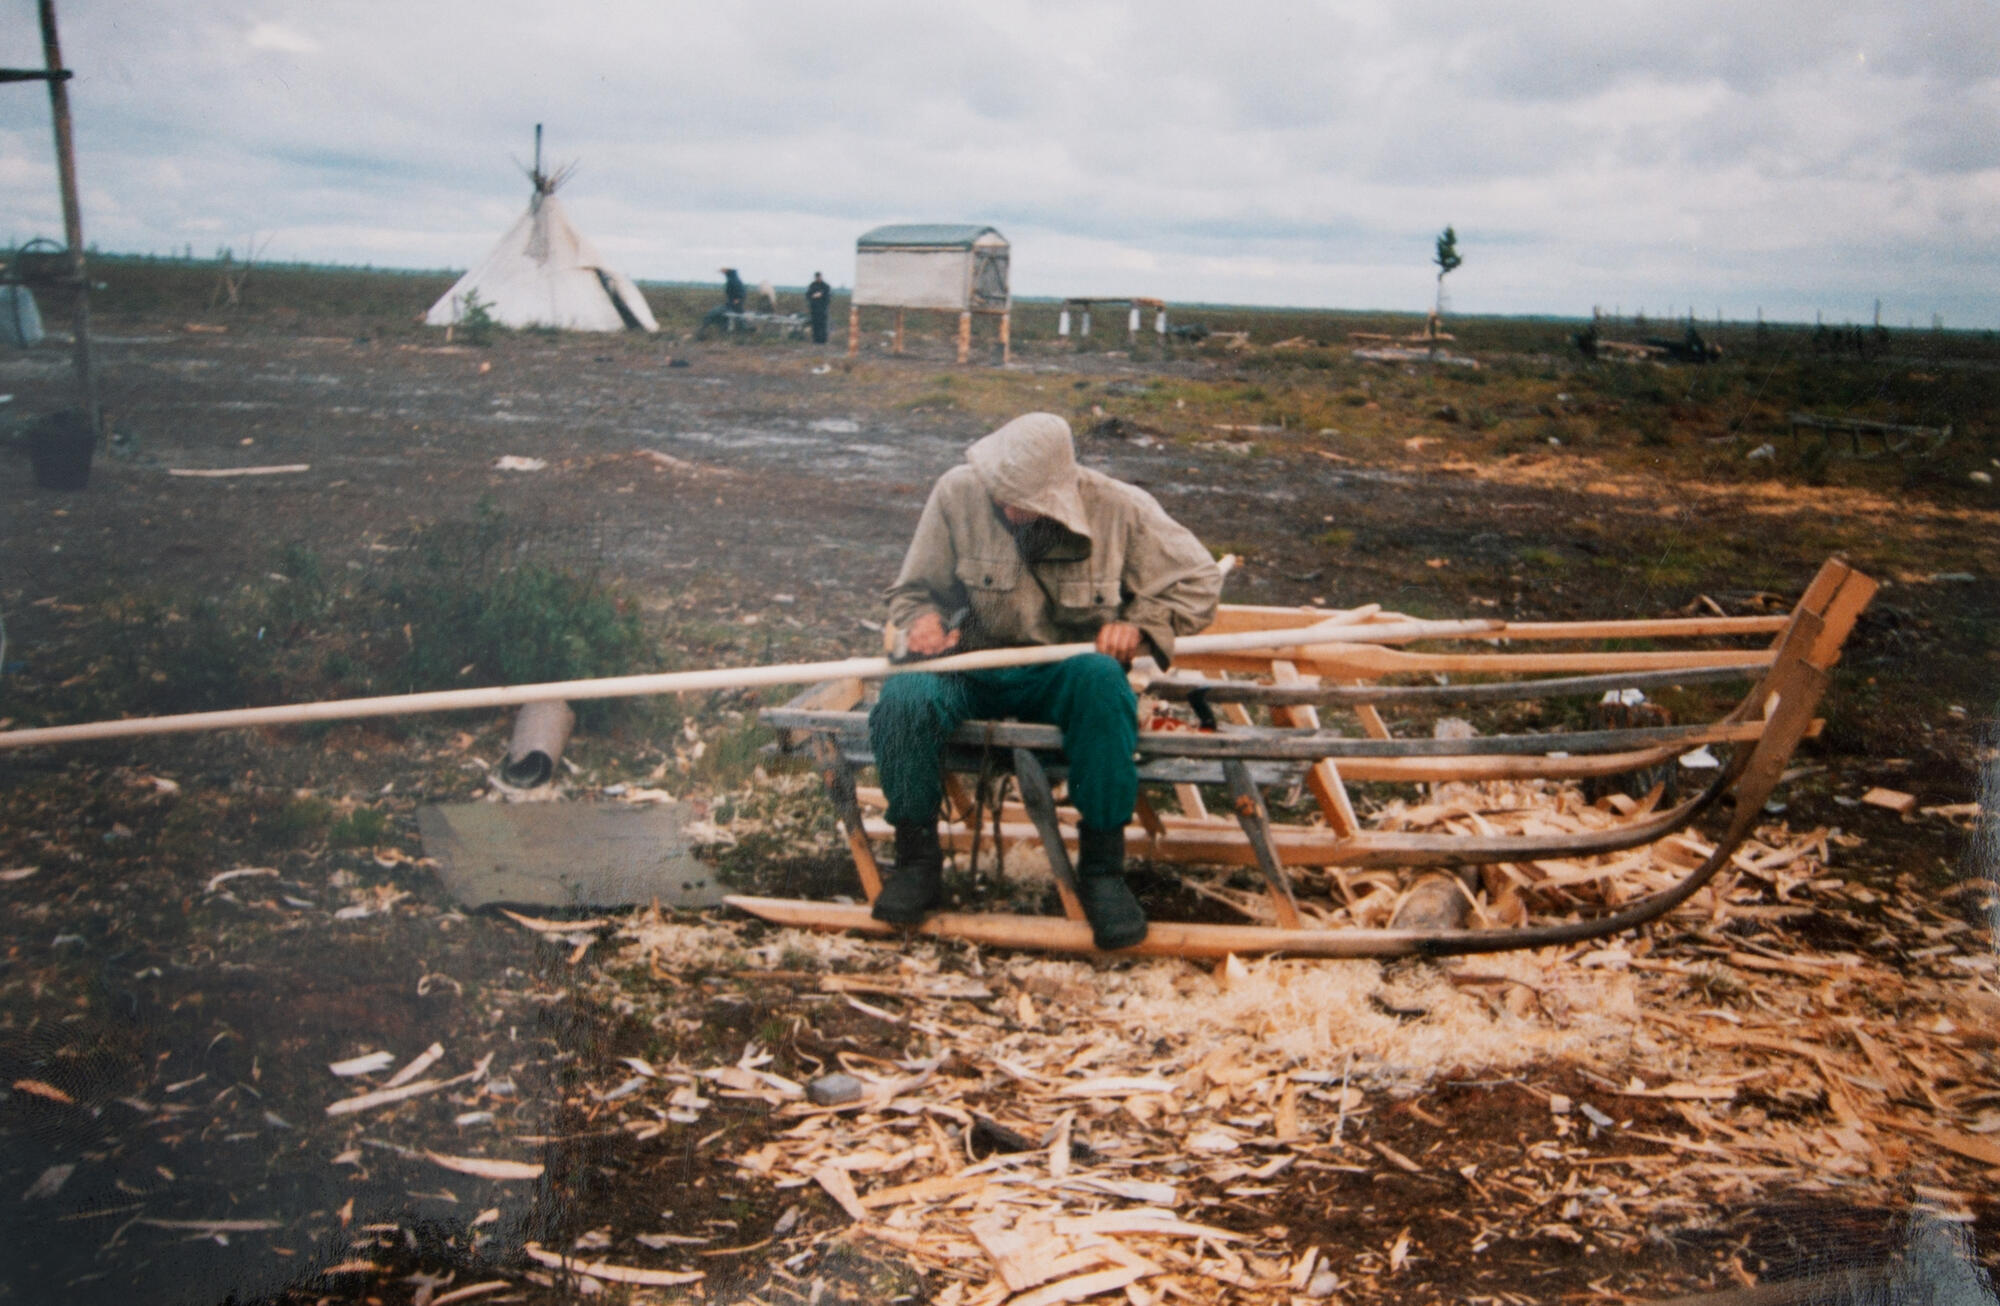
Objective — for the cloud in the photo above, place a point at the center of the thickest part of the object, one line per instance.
(1300, 153)
(274, 36)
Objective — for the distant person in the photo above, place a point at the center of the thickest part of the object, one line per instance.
(733, 295)
(819, 298)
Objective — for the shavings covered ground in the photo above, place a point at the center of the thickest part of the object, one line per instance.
(1231, 1134)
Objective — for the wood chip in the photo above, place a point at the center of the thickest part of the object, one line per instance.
(541, 926)
(1971, 1146)
(423, 1061)
(386, 1096)
(39, 1089)
(1894, 800)
(1081, 1286)
(487, 1167)
(471, 1290)
(277, 469)
(366, 1064)
(613, 1273)
(923, 1190)
(1117, 1086)
(839, 1187)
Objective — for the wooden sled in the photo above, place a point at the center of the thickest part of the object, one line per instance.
(1789, 666)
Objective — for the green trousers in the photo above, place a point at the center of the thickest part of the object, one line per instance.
(1087, 696)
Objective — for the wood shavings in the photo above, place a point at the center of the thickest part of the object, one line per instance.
(613, 1273)
(487, 1167)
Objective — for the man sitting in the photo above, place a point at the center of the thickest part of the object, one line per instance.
(1022, 546)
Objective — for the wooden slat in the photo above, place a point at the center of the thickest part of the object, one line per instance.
(1256, 823)
(1322, 777)
(1366, 662)
(1249, 742)
(1040, 802)
(1294, 692)
(1231, 618)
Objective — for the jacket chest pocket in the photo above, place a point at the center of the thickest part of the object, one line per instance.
(988, 578)
(1079, 593)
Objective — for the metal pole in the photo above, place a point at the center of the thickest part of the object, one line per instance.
(72, 216)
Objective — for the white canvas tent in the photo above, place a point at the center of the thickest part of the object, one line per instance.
(544, 273)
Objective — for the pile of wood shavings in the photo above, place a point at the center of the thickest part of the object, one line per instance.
(1512, 893)
(1153, 1102)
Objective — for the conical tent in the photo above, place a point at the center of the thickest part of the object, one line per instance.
(544, 273)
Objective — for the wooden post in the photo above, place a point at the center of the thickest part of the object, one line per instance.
(853, 330)
(1132, 323)
(964, 334)
(1006, 337)
(1084, 329)
(72, 217)
(899, 332)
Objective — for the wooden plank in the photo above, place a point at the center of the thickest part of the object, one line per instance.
(1323, 777)
(1349, 662)
(1223, 844)
(1256, 822)
(1299, 692)
(1255, 742)
(1236, 617)
(1040, 801)
(1054, 934)
(837, 774)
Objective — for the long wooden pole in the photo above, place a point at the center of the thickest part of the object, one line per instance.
(86, 376)
(1301, 640)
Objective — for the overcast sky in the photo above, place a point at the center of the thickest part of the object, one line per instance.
(1796, 157)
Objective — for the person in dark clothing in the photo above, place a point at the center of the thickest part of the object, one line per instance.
(819, 298)
(733, 294)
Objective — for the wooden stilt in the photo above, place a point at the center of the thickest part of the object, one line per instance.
(1323, 779)
(899, 332)
(853, 331)
(964, 336)
(837, 773)
(1041, 804)
(1006, 338)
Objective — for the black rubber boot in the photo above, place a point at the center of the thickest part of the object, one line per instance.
(915, 886)
(1116, 919)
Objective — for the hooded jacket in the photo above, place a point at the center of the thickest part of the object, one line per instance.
(1114, 556)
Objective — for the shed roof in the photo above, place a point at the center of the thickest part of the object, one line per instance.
(950, 235)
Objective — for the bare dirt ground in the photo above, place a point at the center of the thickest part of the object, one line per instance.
(1797, 1080)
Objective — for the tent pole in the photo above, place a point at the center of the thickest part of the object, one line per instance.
(72, 216)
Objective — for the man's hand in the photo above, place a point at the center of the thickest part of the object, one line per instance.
(927, 637)
(1119, 639)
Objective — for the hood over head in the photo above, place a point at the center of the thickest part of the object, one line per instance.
(1031, 463)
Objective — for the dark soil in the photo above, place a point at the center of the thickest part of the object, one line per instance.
(167, 1036)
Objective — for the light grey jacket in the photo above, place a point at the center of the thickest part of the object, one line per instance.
(1122, 558)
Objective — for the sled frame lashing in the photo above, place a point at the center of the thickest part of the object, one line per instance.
(1790, 673)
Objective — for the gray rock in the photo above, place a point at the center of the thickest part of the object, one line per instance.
(834, 1090)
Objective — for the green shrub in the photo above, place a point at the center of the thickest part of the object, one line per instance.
(363, 827)
(475, 320)
(471, 614)
(198, 660)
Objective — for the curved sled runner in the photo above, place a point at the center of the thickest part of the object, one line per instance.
(1790, 674)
